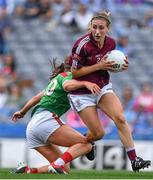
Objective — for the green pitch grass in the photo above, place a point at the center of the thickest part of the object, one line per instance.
(80, 174)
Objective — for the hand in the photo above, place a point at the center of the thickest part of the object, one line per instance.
(106, 65)
(94, 88)
(126, 65)
(17, 115)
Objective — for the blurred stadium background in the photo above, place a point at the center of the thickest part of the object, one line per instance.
(34, 31)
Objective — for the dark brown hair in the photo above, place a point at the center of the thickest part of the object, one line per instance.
(56, 69)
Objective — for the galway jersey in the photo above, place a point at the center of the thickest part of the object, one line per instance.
(55, 97)
(86, 52)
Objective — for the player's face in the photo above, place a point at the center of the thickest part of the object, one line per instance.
(99, 29)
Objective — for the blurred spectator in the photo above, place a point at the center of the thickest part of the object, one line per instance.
(135, 23)
(122, 44)
(2, 44)
(3, 92)
(83, 17)
(67, 15)
(9, 67)
(30, 9)
(46, 11)
(128, 103)
(57, 8)
(5, 22)
(94, 6)
(144, 101)
(128, 98)
(16, 99)
(133, 2)
(11, 100)
(11, 5)
(149, 19)
(143, 125)
(5, 29)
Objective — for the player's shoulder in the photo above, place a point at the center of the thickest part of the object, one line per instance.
(83, 39)
(65, 74)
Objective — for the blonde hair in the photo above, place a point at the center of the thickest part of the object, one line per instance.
(101, 15)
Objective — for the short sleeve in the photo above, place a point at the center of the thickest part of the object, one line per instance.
(78, 57)
(66, 78)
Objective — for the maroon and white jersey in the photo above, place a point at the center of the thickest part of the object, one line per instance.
(85, 52)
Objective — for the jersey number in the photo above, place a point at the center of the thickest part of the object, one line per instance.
(51, 87)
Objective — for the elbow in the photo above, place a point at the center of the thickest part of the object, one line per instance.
(36, 98)
(67, 87)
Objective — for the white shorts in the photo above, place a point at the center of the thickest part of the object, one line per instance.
(80, 102)
(41, 126)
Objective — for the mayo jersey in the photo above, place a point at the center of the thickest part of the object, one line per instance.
(55, 98)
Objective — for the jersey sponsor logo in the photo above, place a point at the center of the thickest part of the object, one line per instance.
(76, 56)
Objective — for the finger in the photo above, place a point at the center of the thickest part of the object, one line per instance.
(111, 69)
(125, 66)
(126, 61)
(14, 119)
(97, 90)
(105, 57)
(92, 91)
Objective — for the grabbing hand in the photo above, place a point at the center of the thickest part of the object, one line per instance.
(94, 88)
(126, 65)
(17, 115)
(104, 64)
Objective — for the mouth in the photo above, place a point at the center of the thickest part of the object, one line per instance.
(97, 37)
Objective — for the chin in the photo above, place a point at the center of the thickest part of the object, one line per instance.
(97, 39)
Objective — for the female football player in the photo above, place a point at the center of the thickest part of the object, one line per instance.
(89, 63)
(46, 130)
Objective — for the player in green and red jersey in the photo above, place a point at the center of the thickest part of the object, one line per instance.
(46, 129)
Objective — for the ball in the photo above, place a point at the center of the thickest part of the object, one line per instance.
(118, 57)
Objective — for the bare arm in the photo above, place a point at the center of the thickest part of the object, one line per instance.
(102, 65)
(71, 85)
(85, 70)
(32, 102)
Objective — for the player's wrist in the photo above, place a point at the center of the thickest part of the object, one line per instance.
(22, 113)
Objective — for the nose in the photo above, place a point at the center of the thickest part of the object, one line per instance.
(97, 32)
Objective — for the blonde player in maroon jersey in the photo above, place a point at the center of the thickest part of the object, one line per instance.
(89, 63)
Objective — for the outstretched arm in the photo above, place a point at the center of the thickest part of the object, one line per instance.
(71, 85)
(32, 102)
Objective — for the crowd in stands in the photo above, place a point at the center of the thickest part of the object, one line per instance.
(74, 14)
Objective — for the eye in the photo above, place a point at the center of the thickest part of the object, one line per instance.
(94, 27)
(101, 27)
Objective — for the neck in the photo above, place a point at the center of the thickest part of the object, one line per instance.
(100, 43)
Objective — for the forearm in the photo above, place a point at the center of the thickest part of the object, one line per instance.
(73, 85)
(32, 102)
(85, 70)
